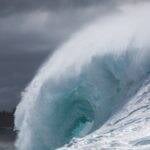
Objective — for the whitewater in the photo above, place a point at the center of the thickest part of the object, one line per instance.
(93, 93)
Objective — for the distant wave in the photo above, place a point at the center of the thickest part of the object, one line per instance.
(86, 81)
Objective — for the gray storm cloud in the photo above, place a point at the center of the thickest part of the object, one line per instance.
(8, 7)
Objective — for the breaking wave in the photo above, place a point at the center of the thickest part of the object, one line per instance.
(86, 81)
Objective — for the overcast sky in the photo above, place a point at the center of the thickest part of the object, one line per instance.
(30, 30)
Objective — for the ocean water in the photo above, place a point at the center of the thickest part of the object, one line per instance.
(127, 129)
(93, 92)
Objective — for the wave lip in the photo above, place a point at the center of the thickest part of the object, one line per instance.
(86, 81)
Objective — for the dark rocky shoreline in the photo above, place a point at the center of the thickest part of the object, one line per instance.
(7, 133)
(6, 119)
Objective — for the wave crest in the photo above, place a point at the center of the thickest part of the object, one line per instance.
(85, 81)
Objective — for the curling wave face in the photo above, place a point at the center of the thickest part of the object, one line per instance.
(86, 81)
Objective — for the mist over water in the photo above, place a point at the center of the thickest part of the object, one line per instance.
(86, 81)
